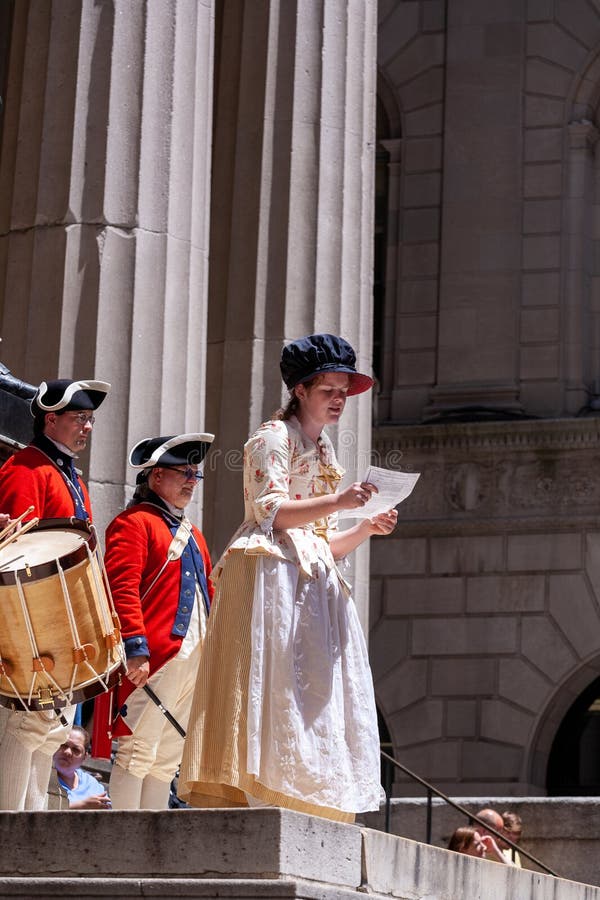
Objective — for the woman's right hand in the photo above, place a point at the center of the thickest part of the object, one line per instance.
(355, 496)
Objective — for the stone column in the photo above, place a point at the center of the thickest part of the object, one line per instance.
(481, 218)
(104, 213)
(578, 340)
(292, 217)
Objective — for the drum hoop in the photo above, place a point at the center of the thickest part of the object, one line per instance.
(67, 561)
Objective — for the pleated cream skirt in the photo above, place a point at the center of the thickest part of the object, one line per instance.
(214, 766)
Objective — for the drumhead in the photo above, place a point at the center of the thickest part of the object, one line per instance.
(36, 548)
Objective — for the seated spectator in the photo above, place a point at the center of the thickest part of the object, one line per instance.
(469, 841)
(513, 830)
(82, 789)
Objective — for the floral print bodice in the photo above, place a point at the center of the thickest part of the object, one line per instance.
(282, 463)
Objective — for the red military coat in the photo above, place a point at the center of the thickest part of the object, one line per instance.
(30, 478)
(137, 541)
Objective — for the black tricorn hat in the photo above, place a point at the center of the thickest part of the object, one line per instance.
(173, 450)
(318, 354)
(64, 395)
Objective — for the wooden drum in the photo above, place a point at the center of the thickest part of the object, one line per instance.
(59, 634)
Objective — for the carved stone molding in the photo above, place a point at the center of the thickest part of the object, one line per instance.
(497, 477)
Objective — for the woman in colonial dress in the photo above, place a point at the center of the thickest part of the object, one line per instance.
(284, 711)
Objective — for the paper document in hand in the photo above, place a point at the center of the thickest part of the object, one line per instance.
(393, 487)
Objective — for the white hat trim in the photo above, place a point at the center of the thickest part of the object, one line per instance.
(101, 386)
(205, 438)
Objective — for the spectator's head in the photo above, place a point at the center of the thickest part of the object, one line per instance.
(513, 826)
(467, 840)
(491, 818)
(71, 755)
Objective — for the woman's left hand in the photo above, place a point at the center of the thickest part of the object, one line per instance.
(384, 523)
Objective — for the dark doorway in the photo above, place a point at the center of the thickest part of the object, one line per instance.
(574, 763)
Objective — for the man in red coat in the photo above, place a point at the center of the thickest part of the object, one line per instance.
(158, 568)
(43, 476)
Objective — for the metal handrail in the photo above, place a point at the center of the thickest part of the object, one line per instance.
(461, 809)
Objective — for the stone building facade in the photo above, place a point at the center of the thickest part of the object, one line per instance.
(185, 184)
(485, 612)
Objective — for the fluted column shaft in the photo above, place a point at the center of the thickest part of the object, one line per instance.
(104, 213)
(294, 160)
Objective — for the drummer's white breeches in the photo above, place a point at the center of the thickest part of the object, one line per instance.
(147, 761)
(27, 742)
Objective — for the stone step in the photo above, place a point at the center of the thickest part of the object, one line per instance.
(239, 853)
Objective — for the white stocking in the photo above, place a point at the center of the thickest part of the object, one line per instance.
(125, 789)
(155, 793)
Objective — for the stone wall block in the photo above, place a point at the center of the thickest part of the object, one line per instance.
(547, 78)
(422, 189)
(461, 718)
(402, 686)
(418, 332)
(540, 325)
(541, 252)
(543, 646)
(420, 225)
(503, 722)
(396, 556)
(541, 552)
(424, 90)
(424, 52)
(423, 122)
(454, 555)
(418, 296)
(544, 145)
(539, 362)
(397, 27)
(440, 759)
(575, 612)
(417, 724)
(422, 596)
(388, 643)
(566, 50)
(543, 111)
(520, 683)
(422, 155)
(540, 10)
(581, 20)
(540, 288)
(468, 677)
(416, 368)
(459, 637)
(517, 593)
(542, 180)
(592, 560)
(420, 259)
(491, 761)
(541, 216)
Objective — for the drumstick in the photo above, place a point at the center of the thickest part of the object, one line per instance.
(13, 537)
(14, 522)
